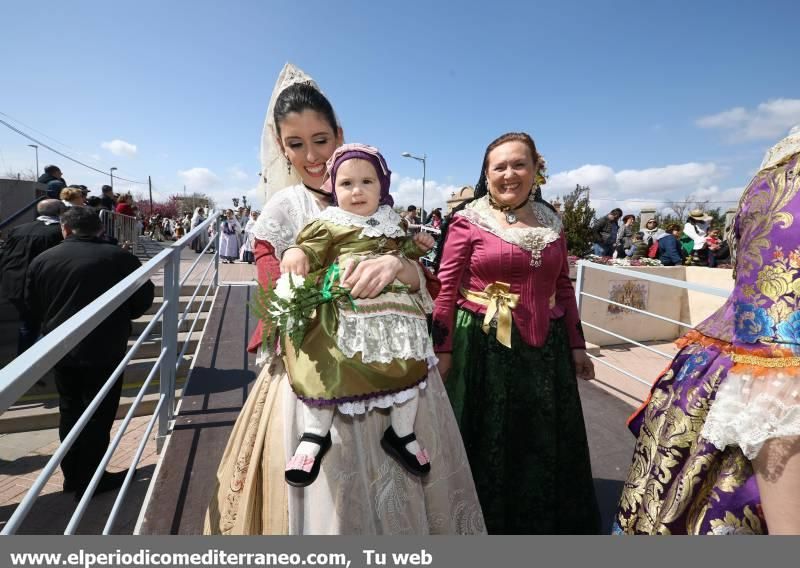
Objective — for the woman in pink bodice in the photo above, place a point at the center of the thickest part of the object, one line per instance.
(508, 336)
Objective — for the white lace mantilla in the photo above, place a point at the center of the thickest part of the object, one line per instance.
(783, 150)
(284, 216)
(386, 401)
(531, 239)
(748, 411)
(385, 222)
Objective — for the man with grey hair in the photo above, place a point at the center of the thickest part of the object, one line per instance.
(61, 282)
(26, 242)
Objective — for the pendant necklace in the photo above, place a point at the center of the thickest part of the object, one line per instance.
(507, 210)
(327, 196)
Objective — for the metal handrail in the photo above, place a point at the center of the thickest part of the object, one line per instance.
(635, 274)
(14, 216)
(19, 375)
(194, 323)
(112, 447)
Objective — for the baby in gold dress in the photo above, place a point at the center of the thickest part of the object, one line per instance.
(360, 354)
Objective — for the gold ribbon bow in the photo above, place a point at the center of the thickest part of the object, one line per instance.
(498, 301)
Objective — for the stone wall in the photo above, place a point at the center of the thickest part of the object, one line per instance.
(678, 304)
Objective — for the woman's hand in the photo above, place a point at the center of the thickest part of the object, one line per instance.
(584, 368)
(368, 278)
(295, 261)
(445, 362)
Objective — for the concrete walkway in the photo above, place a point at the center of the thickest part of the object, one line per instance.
(24, 454)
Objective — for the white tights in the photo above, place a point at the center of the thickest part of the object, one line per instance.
(318, 421)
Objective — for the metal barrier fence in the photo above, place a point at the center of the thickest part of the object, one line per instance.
(583, 265)
(124, 228)
(428, 259)
(20, 375)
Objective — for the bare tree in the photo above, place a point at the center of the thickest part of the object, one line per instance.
(24, 175)
(681, 207)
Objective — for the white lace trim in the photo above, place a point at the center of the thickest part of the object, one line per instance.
(385, 222)
(386, 401)
(383, 338)
(531, 239)
(748, 411)
(284, 216)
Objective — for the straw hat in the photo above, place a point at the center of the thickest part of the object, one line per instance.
(699, 215)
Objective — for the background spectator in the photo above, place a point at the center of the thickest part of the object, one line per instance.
(604, 232)
(72, 197)
(52, 173)
(60, 282)
(125, 205)
(670, 251)
(624, 239)
(108, 198)
(652, 233)
(717, 249)
(24, 243)
(695, 229)
(412, 217)
(638, 248)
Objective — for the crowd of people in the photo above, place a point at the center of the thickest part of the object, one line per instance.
(237, 226)
(696, 243)
(50, 269)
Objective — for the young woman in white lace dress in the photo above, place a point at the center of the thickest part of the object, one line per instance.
(360, 489)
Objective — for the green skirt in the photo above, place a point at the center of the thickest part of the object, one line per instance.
(521, 420)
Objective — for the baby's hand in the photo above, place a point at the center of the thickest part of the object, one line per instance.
(295, 261)
(424, 241)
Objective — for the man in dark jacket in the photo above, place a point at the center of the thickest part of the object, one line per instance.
(61, 282)
(605, 233)
(108, 201)
(24, 243)
(51, 173)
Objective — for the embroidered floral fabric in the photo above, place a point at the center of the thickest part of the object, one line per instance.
(733, 386)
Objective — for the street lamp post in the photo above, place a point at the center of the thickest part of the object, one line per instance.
(35, 147)
(423, 159)
(111, 171)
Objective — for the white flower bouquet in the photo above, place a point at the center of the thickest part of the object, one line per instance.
(288, 307)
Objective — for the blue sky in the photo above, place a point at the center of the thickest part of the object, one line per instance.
(643, 101)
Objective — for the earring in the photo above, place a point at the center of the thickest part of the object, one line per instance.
(288, 165)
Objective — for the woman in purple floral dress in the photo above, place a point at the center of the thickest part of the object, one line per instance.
(718, 449)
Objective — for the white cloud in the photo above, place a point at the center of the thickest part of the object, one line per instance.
(408, 191)
(199, 179)
(120, 148)
(725, 198)
(768, 121)
(238, 174)
(634, 189)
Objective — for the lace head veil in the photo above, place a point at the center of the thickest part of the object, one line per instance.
(783, 150)
(275, 175)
